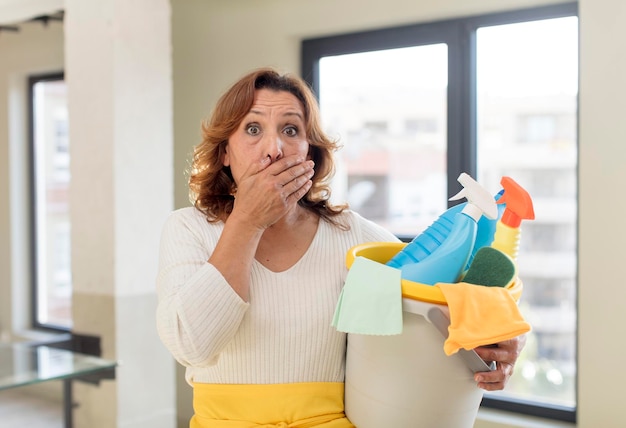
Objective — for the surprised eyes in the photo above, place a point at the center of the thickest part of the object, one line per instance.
(291, 131)
(255, 130)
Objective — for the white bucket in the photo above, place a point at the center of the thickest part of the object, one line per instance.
(406, 380)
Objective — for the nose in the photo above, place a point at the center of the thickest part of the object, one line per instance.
(273, 146)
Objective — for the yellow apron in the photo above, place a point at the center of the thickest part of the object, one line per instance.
(288, 405)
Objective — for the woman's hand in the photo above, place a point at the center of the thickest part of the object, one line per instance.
(505, 355)
(267, 191)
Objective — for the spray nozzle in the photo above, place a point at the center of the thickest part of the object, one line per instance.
(519, 205)
(479, 200)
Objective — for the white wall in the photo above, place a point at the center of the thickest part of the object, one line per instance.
(601, 209)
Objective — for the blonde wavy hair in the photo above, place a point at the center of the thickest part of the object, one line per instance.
(211, 184)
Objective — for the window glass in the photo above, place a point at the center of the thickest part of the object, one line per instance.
(388, 110)
(527, 86)
(51, 223)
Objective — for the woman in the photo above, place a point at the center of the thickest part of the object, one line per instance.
(249, 277)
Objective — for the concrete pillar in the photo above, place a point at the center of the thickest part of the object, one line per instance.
(118, 70)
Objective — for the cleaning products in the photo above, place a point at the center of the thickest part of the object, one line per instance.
(406, 380)
(491, 268)
(430, 239)
(519, 206)
(447, 262)
(487, 228)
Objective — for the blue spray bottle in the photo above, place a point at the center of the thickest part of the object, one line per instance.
(430, 239)
(449, 260)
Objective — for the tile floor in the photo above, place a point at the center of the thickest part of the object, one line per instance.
(19, 409)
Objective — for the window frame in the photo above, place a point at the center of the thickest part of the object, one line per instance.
(460, 36)
(33, 206)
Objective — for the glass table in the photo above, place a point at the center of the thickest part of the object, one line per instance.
(26, 364)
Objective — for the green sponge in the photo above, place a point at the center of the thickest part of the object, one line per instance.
(491, 267)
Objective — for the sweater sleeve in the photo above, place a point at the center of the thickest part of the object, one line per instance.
(372, 232)
(198, 312)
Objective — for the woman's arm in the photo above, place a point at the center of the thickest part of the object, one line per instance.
(198, 312)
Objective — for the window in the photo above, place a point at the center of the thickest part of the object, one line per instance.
(50, 177)
(386, 134)
(489, 95)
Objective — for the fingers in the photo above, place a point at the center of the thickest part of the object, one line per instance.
(494, 380)
(503, 351)
(299, 181)
(267, 191)
(289, 168)
(285, 176)
(505, 355)
(291, 177)
(256, 168)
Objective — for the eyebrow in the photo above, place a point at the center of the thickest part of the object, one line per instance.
(289, 113)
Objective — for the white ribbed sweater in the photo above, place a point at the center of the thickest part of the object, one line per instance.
(283, 334)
